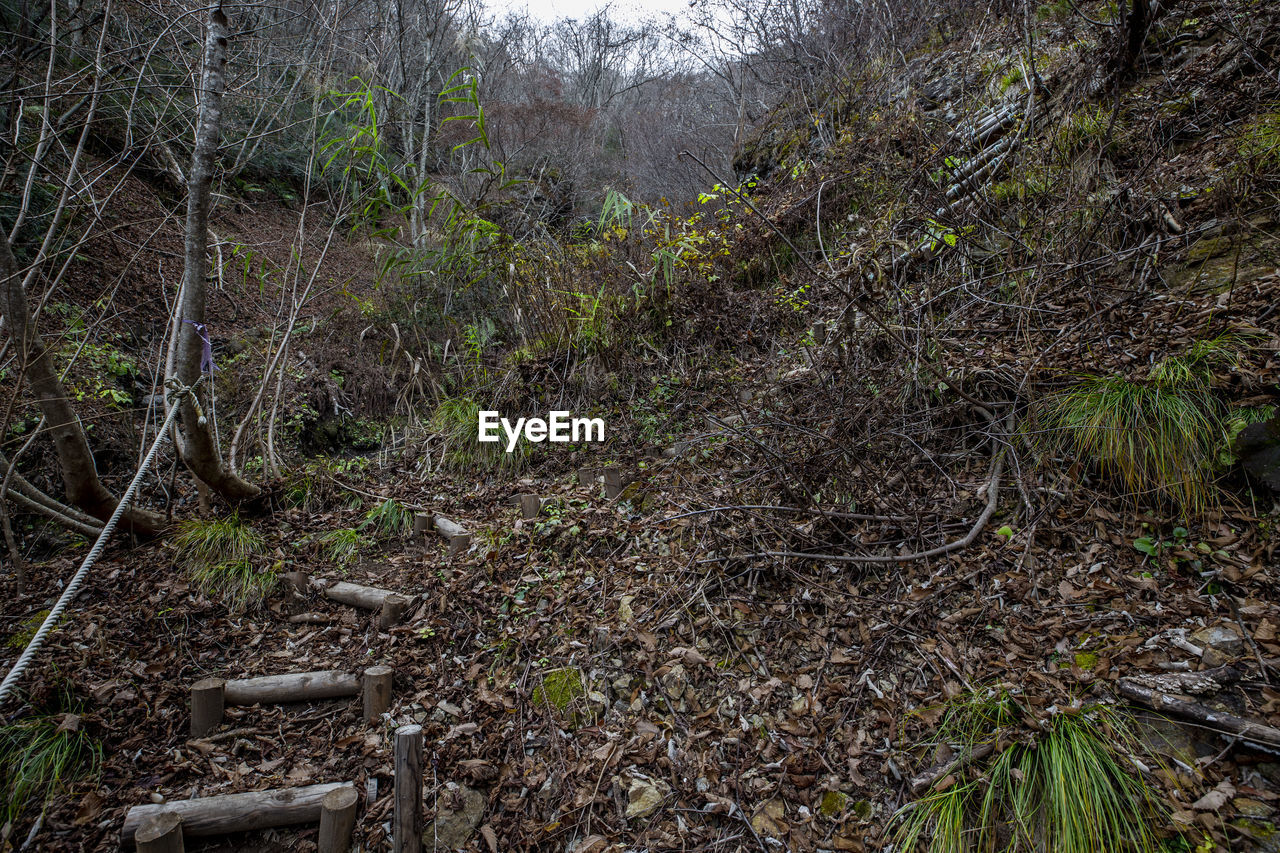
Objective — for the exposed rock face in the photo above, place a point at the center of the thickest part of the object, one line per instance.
(1259, 450)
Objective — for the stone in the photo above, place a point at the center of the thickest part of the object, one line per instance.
(452, 828)
(768, 819)
(1221, 639)
(1258, 447)
(1248, 807)
(645, 794)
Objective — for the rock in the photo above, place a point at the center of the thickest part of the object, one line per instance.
(768, 819)
(451, 829)
(645, 794)
(1248, 807)
(1221, 639)
(1258, 447)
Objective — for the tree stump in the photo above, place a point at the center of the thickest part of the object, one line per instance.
(160, 833)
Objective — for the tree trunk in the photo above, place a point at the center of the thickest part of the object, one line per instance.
(79, 473)
(199, 449)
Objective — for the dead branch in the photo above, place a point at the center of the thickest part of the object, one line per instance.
(1251, 732)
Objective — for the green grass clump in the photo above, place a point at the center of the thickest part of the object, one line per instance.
(219, 556)
(1160, 436)
(39, 756)
(342, 546)
(1067, 784)
(389, 518)
(457, 421)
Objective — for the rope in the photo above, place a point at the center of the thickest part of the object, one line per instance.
(73, 588)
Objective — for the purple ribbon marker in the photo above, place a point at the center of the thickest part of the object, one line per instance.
(206, 349)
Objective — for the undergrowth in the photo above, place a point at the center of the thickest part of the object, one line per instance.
(457, 421)
(219, 555)
(1067, 784)
(39, 756)
(1160, 436)
(389, 518)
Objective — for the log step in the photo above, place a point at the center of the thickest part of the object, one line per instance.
(210, 695)
(391, 605)
(229, 813)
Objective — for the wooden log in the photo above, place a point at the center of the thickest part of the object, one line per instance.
(459, 545)
(530, 506)
(1250, 731)
(160, 833)
(299, 582)
(393, 610)
(356, 595)
(292, 687)
(337, 820)
(612, 483)
(236, 812)
(406, 836)
(448, 529)
(377, 691)
(208, 700)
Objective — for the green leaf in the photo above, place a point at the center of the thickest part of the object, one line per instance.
(1006, 531)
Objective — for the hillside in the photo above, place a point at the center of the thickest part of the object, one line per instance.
(944, 417)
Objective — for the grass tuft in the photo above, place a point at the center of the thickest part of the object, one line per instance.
(219, 557)
(39, 756)
(457, 420)
(342, 546)
(389, 518)
(1161, 436)
(1072, 787)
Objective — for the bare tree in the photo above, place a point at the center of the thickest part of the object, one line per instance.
(192, 354)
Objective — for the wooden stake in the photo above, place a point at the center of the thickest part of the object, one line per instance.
(421, 524)
(237, 812)
(208, 700)
(407, 822)
(459, 545)
(393, 610)
(292, 687)
(530, 506)
(299, 582)
(377, 691)
(160, 833)
(587, 476)
(337, 820)
(612, 483)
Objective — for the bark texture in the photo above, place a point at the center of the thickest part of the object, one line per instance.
(199, 449)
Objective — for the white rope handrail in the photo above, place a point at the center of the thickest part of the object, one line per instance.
(73, 588)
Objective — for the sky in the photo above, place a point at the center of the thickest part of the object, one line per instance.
(624, 10)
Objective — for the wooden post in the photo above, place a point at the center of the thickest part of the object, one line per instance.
(337, 820)
(530, 506)
(459, 545)
(377, 691)
(407, 823)
(228, 813)
(299, 582)
(160, 833)
(421, 524)
(612, 483)
(393, 609)
(208, 700)
(291, 687)
(587, 476)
